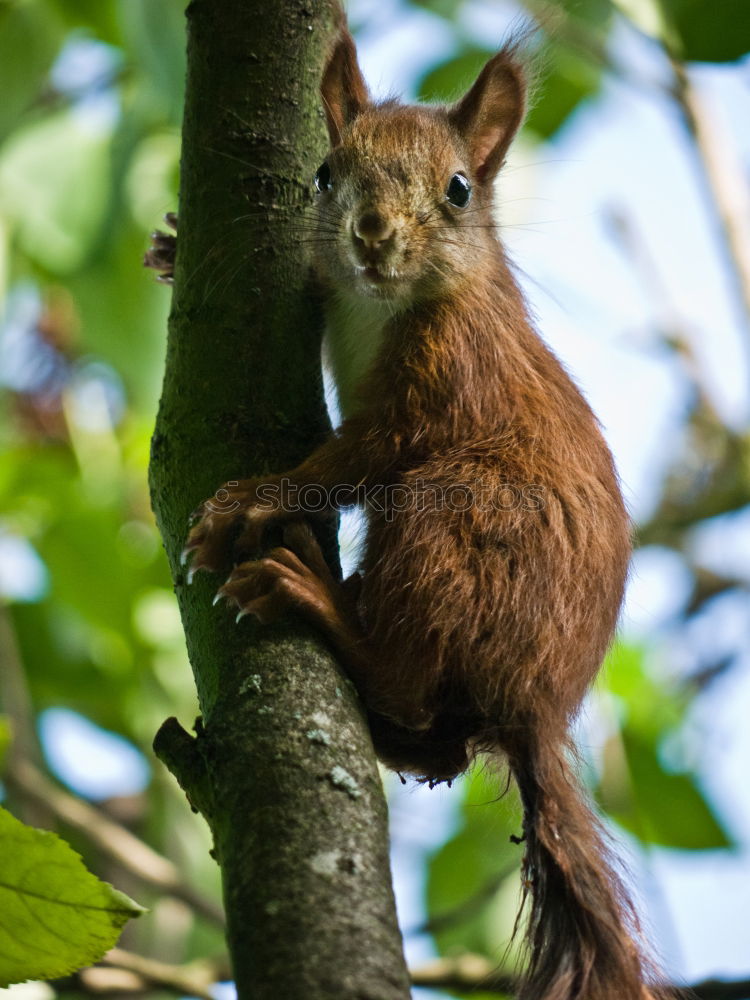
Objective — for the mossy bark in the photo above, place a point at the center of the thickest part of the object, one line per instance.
(282, 766)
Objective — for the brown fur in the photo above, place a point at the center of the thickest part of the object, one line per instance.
(476, 629)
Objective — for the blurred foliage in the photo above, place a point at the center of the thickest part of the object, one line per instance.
(89, 148)
(704, 36)
(474, 877)
(6, 735)
(636, 779)
(697, 31)
(565, 73)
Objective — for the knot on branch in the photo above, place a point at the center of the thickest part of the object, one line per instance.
(183, 756)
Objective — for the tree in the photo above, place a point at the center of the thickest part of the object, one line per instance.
(282, 767)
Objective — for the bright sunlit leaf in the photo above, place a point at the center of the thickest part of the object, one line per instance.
(55, 916)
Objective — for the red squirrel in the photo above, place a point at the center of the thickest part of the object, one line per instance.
(497, 540)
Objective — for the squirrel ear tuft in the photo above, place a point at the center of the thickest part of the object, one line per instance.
(491, 113)
(342, 89)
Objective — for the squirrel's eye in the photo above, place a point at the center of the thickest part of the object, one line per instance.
(323, 178)
(459, 191)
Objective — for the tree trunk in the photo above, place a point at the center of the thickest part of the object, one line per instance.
(282, 766)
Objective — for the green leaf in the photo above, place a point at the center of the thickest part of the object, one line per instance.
(155, 35)
(649, 16)
(472, 876)
(55, 916)
(130, 337)
(451, 79)
(658, 804)
(711, 32)
(666, 808)
(651, 708)
(699, 31)
(592, 13)
(29, 39)
(567, 80)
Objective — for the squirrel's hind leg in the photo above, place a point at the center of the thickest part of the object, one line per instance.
(295, 577)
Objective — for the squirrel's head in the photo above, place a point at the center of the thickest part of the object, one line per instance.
(405, 193)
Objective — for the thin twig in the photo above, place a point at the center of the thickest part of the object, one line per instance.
(474, 972)
(667, 318)
(727, 190)
(124, 972)
(464, 972)
(193, 979)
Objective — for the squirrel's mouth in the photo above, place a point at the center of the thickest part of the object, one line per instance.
(380, 281)
(374, 275)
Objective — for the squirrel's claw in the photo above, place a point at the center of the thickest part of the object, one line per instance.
(160, 256)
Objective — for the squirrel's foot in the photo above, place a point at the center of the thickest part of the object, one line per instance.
(282, 581)
(229, 527)
(160, 256)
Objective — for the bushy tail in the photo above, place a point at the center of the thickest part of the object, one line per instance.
(581, 928)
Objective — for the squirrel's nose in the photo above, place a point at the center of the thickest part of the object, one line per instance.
(372, 229)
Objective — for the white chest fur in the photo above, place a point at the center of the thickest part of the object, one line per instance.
(353, 335)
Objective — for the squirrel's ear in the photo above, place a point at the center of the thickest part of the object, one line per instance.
(342, 89)
(491, 113)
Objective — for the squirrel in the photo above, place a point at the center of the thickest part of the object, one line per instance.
(497, 539)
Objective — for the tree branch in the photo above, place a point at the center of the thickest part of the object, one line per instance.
(474, 972)
(180, 753)
(126, 972)
(727, 190)
(304, 859)
(715, 481)
(464, 973)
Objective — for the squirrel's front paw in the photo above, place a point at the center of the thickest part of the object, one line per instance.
(229, 526)
(160, 255)
(268, 588)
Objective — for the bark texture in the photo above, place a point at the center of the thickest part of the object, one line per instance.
(282, 765)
